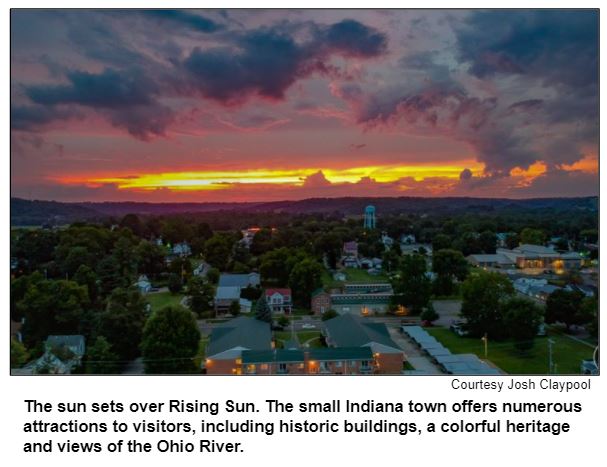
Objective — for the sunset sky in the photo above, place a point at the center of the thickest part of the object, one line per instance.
(183, 105)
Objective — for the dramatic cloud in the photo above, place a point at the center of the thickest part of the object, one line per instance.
(292, 104)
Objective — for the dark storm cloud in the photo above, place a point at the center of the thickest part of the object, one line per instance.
(36, 117)
(108, 89)
(353, 39)
(558, 47)
(128, 98)
(184, 18)
(266, 62)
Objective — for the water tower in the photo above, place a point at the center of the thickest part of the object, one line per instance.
(369, 217)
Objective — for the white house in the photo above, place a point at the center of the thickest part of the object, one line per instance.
(143, 284)
(279, 300)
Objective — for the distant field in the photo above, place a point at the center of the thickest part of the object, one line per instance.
(567, 353)
(161, 299)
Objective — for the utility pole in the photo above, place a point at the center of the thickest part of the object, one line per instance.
(485, 339)
(550, 363)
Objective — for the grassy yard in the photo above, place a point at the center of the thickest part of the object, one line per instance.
(302, 337)
(161, 299)
(567, 353)
(352, 275)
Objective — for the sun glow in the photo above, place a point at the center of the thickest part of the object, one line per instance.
(217, 180)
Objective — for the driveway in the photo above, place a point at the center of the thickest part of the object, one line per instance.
(448, 311)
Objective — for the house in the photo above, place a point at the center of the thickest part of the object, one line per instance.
(386, 240)
(62, 354)
(279, 300)
(228, 340)
(339, 276)
(407, 239)
(542, 292)
(224, 296)
(352, 331)
(182, 249)
(202, 269)
(242, 281)
(534, 259)
(229, 288)
(525, 284)
(499, 261)
(356, 298)
(143, 284)
(351, 262)
(320, 302)
(350, 249)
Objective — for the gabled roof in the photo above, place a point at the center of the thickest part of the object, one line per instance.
(248, 333)
(284, 291)
(227, 293)
(236, 280)
(352, 331)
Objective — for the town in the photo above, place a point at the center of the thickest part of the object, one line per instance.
(309, 294)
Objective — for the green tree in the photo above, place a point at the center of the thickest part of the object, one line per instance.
(564, 306)
(305, 278)
(448, 266)
(487, 241)
(149, 258)
(329, 244)
(217, 251)
(413, 288)
(122, 322)
(54, 307)
(483, 296)
(521, 319)
(100, 359)
(234, 308)
(533, 236)
(429, 314)
(201, 295)
(175, 284)
(213, 275)
(441, 242)
(170, 341)
(109, 275)
(329, 314)
(87, 277)
(19, 354)
(262, 310)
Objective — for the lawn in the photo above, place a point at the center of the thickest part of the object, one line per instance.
(352, 275)
(161, 299)
(302, 337)
(566, 353)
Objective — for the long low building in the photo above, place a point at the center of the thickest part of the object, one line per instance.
(323, 361)
(529, 258)
(354, 298)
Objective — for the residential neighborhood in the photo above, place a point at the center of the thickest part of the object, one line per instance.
(365, 304)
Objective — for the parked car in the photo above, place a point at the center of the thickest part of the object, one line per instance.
(459, 328)
(308, 326)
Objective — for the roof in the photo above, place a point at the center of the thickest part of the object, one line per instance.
(272, 356)
(235, 280)
(352, 331)
(341, 353)
(491, 258)
(361, 298)
(248, 333)
(74, 340)
(318, 292)
(283, 291)
(227, 293)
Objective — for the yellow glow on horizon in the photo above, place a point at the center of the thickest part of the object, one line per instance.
(217, 180)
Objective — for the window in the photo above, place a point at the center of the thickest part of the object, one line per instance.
(282, 367)
(338, 364)
(264, 366)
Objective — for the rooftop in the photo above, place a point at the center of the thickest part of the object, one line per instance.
(352, 331)
(244, 332)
